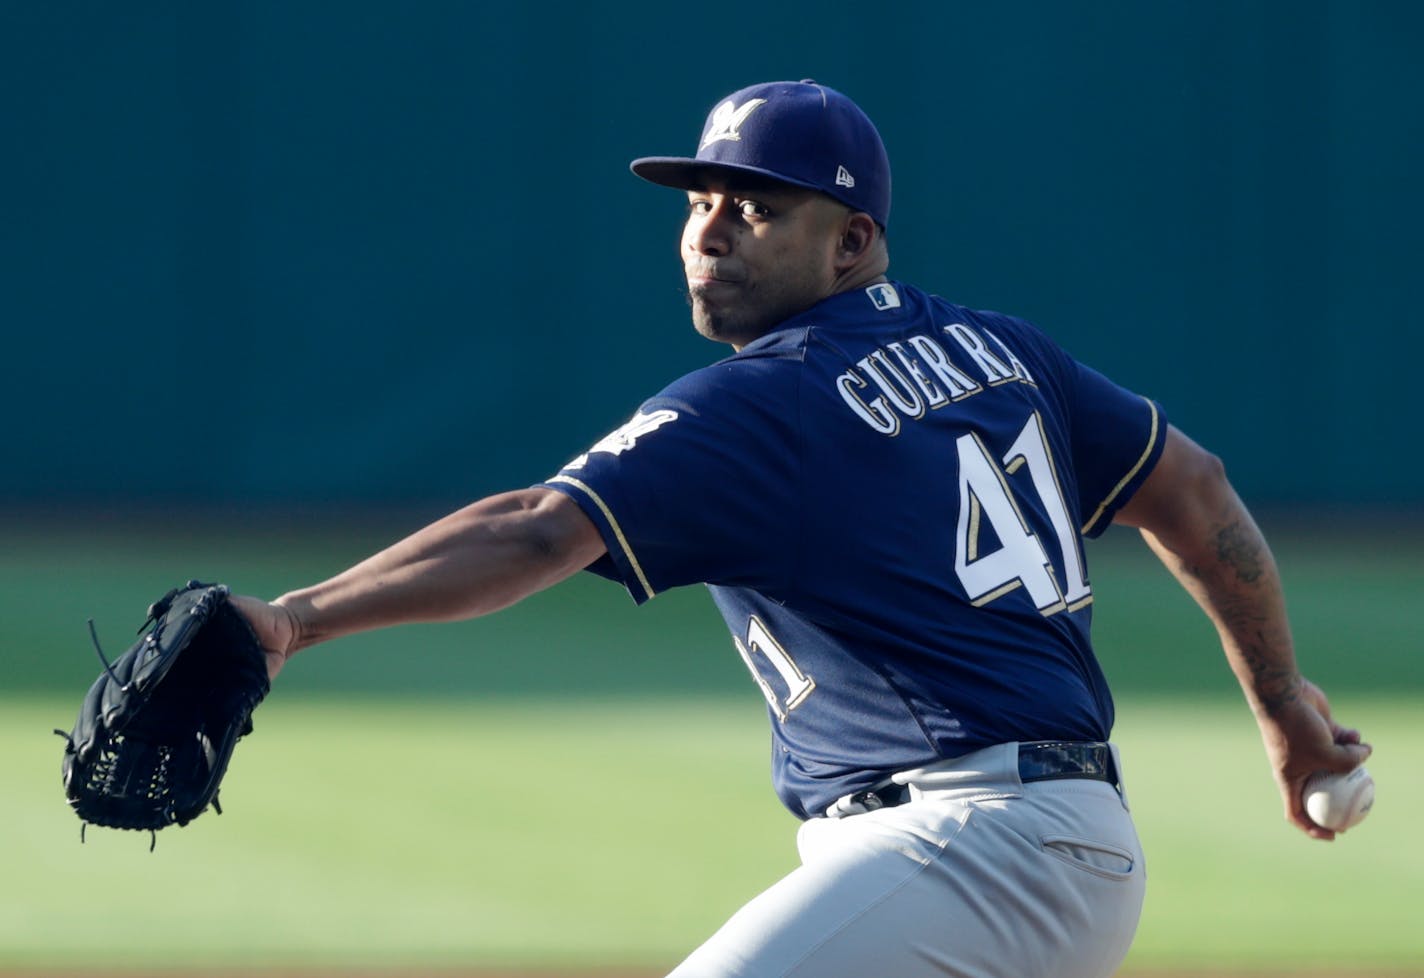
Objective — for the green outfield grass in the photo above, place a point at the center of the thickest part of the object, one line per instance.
(1352, 596)
(431, 834)
(574, 782)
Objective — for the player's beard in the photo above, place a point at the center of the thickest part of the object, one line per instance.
(745, 317)
(724, 323)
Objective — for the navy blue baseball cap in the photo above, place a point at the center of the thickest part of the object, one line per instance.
(799, 133)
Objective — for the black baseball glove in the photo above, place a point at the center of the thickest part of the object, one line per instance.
(158, 726)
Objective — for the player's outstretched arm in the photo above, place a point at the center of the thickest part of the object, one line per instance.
(1194, 521)
(478, 559)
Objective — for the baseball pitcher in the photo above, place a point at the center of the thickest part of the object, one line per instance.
(887, 496)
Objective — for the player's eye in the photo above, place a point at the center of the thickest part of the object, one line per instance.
(699, 205)
(755, 208)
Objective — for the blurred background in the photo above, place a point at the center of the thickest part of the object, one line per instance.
(281, 281)
(391, 253)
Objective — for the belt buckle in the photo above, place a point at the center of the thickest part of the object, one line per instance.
(855, 803)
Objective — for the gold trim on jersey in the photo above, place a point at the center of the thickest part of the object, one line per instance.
(1131, 474)
(613, 524)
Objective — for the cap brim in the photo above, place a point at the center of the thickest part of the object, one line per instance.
(686, 173)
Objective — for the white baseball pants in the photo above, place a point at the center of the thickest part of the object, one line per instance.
(978, 876)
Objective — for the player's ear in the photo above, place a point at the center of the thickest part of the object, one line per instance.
(858, 235)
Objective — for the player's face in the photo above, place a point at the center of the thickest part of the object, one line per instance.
(756, 254)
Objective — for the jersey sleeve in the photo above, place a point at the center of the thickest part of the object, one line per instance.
(1118, 436)
(694, 487)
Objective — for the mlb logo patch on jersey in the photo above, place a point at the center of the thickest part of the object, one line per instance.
(884, 296)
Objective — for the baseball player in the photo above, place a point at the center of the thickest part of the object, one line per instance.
(887, 495)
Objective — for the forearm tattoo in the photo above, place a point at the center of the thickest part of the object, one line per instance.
(1236, 584)
(1240, 551)
(1239, 548)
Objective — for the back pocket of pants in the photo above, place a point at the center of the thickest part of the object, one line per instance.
(1094, 857)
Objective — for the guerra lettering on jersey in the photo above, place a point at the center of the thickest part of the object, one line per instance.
(917, 375)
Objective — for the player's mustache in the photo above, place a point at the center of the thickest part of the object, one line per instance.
(711, 269)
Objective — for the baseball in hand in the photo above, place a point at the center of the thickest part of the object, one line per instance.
(1339, 801)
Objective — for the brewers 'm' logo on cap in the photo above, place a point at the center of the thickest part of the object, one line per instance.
(727, 120)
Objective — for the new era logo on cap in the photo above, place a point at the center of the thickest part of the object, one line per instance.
(843, 177)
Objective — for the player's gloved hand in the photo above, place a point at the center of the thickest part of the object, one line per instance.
(276, 628)
(1302, 738)
(156, 730)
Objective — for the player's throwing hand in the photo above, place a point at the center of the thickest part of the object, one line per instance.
(1302, 739)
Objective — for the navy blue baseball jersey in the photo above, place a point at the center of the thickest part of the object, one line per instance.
(887, 496)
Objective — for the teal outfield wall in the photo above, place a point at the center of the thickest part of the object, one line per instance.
(390, 252)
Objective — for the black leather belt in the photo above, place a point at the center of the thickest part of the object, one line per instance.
(1044, 760)
(1053, 760)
